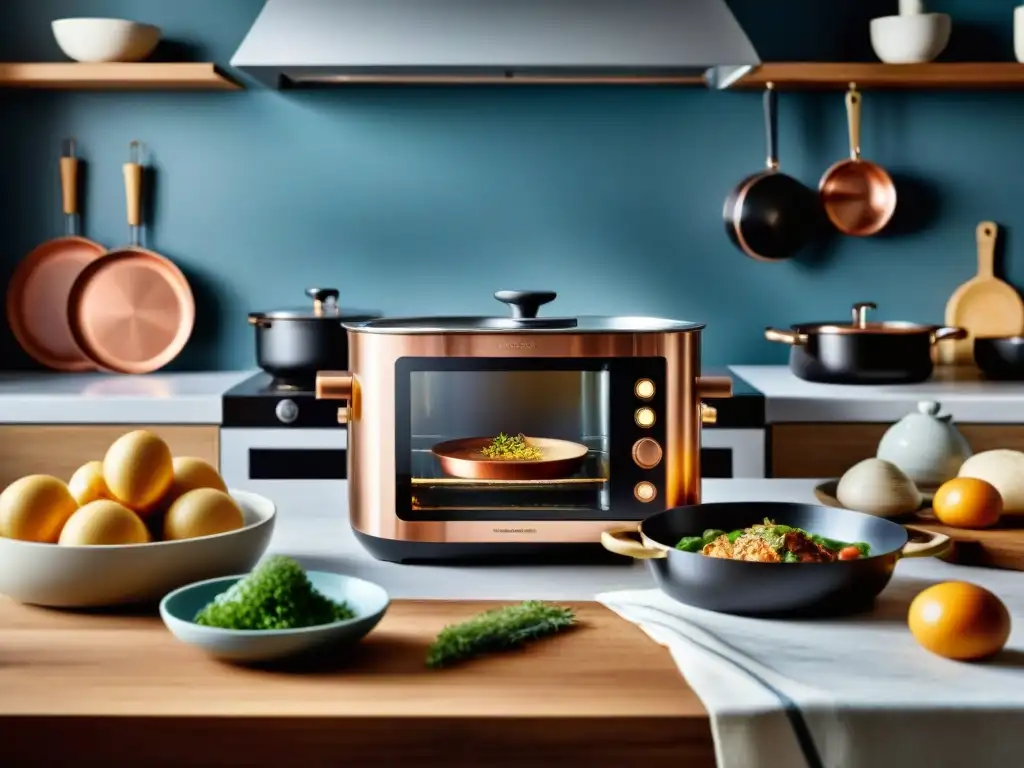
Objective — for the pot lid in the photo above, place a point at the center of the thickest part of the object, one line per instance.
(525, 305)
(860, 324)
(324, 307)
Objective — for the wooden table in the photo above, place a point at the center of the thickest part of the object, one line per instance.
(119, 690)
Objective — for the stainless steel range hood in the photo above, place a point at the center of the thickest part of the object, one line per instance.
(302, 43)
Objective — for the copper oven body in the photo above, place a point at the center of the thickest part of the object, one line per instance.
(369, 388)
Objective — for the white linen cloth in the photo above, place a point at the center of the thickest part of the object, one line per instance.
(861, 690)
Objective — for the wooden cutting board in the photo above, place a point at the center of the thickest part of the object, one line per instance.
(999, 547)
(122, 691)
(984, 305)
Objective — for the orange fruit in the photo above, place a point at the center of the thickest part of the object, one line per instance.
(967, 502)
(960, 621)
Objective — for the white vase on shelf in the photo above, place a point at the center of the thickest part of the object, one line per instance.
(1018, 33)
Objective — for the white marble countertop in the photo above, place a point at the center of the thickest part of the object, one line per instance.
(96, 398)
(962, 394)
(313, 526)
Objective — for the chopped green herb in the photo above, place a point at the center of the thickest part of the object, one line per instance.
(498, 629)
(514, 448)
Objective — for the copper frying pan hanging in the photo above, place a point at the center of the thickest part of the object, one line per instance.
(859, 196)
(132, 310)
(37, 295)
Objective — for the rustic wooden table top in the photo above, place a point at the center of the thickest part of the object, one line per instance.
(119, 689)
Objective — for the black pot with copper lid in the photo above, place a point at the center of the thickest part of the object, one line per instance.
(293, 344)
(860, 351)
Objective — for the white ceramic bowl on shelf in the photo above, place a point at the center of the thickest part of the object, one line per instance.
(103, 40)
(92, 577)
(910, 39)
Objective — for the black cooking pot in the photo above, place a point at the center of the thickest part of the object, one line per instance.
(771, 589)
(861, 352)
(293, 344)
(1000, 358)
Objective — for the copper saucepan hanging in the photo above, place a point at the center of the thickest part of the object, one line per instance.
(859, 197)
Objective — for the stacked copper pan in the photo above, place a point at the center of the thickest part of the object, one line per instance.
(74, 305)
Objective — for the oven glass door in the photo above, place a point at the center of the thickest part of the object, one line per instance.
(582, 420)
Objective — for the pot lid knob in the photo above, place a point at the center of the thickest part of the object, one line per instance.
(860, 313)
(525, 304)
(929, 408)
(324, 298)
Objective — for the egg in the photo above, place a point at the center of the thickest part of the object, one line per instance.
(202, 512)
(138, 470)
(87, 484)
(878, 487)
(103, 523)
(191, 473)
(959, 621)
(966, 502)
(35, 508)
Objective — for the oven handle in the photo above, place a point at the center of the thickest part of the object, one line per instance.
(340, 385)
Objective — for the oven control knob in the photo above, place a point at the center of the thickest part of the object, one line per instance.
(287, 411)
(647, 453)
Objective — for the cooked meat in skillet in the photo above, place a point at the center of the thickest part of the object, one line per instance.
(771, 543)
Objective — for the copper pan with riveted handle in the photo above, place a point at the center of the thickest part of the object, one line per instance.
(37, 294)
(859, 197)
(132, 310)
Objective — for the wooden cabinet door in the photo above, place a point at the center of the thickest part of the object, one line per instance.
(828, 450)
(55, 449)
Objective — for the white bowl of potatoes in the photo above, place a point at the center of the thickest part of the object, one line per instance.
(126, 529)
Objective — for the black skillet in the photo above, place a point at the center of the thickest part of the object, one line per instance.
(771, 589)
(770, 216)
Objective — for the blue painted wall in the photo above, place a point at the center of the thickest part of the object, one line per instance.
(427, 200)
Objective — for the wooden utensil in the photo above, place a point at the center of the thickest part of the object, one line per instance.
(37, 295)
(999, 547)
(984, 305)
(859, 196)
(464, 458)
(132, 310)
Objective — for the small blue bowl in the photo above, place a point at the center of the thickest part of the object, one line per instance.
(252, 646)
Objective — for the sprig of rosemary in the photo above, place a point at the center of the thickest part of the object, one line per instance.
(508, 447)
(498, 629)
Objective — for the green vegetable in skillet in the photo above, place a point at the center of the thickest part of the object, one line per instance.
(498, 629)
(777, 539)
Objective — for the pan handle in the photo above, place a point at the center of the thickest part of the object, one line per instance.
(853, 118)
(133, 192)
(785, 337)
(621, 541)
(771, 125)
(934, 545)
(69, 186)
(948, 334)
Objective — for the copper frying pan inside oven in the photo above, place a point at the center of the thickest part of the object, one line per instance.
(465, 458)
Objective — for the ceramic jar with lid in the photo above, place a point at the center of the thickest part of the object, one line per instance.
(926, 446)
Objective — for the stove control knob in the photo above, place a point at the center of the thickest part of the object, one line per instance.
(287, 411)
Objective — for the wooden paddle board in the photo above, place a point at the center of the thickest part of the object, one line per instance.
(983, 306)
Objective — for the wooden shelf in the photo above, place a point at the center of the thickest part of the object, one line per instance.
(144, 76)
(830, 76)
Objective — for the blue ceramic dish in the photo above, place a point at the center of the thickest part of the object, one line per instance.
(368, 600)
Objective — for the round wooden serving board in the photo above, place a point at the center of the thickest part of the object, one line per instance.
(998, 547)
